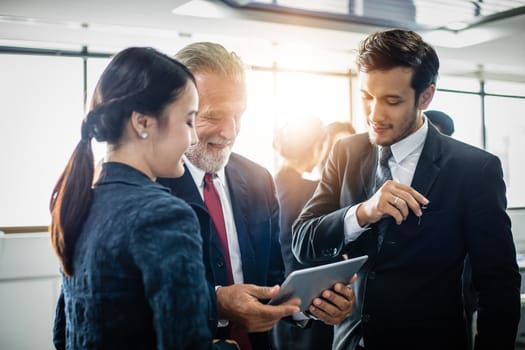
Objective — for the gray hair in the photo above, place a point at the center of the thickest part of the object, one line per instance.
(207, 57)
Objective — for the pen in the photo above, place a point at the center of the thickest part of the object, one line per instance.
(423, 208)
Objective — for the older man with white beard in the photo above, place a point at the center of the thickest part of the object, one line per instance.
(236, 201)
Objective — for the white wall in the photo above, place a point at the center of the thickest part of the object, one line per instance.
(29, 287)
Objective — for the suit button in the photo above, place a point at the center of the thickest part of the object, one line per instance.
(372, 275)
(220, 263)
(366, 318)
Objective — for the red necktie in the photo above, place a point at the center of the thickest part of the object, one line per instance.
(213, 203)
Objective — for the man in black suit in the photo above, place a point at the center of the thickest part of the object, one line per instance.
(445, 199)
(244, 264)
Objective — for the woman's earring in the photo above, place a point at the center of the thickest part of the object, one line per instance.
(143, 135)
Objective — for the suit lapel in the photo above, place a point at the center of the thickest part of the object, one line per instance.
(184, 187)
(239, 195)
(427, 168)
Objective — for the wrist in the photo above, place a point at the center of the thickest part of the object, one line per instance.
(360, 216)
(223, 322)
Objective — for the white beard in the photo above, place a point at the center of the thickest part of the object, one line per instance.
(210, 162)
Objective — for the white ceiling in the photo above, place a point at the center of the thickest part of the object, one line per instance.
(494, 50)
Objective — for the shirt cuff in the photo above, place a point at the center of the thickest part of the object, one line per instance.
(352, 229)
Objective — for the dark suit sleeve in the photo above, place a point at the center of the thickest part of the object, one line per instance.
(318, 233)
(167, 248)
(492, 253)
(276, 267)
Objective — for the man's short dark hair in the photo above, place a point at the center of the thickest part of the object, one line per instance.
(400, 48)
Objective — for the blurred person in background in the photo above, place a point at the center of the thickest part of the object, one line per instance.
(442, 121)
(299, 143)
(334, 132)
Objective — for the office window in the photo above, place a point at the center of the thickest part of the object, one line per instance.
(505, 88)
(465, 110)
(257, 124)
(41, 99)
(458, 83)
(505, 135)
(95, 68)
(323, 96)
(274, 97)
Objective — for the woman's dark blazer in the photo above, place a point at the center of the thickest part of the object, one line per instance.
(138, 274)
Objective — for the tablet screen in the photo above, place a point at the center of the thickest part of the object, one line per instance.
(308, 283)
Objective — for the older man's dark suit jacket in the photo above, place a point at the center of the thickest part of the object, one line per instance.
(256, 212)
(409, 293)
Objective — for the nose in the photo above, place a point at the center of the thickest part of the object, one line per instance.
(193, 137)
(229, 128)
(375, 114)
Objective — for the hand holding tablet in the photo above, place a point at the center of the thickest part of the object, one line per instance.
(309, 283)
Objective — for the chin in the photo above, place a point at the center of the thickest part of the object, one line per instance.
(379, 141)
(373, 138)
(210, 161)
(179, 171)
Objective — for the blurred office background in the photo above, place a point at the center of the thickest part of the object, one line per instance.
(300, 60)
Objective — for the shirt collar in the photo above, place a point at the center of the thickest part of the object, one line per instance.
(198, 174)
(410, 144)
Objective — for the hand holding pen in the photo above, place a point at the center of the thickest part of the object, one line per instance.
(392, 199)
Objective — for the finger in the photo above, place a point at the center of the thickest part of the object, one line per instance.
(394, 212)
(386, 207)
(342, 299)
(400, 204)
(345, 291)
(326, 312)
(276, 312)
(265, 316)
(264, 292)
(324, 306)
(420, 200)
(412, 198)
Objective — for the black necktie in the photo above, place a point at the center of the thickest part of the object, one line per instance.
(383, 170)
(383, 174)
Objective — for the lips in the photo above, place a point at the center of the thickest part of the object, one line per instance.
(219, 146)
(380, 129)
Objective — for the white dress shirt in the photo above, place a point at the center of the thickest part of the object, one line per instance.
(231, 231)
(402, 164)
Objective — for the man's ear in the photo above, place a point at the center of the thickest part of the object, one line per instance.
(426, 97)
(140, 123)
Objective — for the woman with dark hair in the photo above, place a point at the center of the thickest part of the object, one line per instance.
(130, 252)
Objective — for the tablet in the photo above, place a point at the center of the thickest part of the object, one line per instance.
(308, 283)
